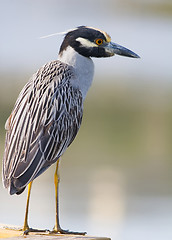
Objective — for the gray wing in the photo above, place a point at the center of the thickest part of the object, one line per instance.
(43, 123)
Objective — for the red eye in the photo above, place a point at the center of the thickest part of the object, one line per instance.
(99, 41)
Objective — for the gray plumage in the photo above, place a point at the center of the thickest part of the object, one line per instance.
(43, 123)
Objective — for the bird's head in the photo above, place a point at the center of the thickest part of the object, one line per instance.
(92, 42)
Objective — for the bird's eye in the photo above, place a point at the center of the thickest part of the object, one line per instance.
(99, 41)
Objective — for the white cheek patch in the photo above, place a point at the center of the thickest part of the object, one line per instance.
(86, 43)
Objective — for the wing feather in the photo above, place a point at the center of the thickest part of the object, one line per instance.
(43, 123)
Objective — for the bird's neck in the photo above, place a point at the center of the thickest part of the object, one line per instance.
(83, 67)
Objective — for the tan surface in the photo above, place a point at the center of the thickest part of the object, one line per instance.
(14, 233)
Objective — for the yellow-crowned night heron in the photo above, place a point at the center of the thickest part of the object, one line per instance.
(48, 112)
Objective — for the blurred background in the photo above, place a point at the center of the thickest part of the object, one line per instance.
(116, 176)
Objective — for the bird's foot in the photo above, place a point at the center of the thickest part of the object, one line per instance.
(28, 230)
(62, 231)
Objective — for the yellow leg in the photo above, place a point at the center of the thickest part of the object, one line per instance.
(57, 228)
(56, 183)
(26, 226)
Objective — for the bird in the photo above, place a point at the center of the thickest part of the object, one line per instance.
(48, 112)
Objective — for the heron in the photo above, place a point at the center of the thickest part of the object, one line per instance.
(48, 112)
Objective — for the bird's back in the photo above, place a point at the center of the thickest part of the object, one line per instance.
(45, 120)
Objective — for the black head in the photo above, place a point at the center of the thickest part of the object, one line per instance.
(87, 41)
(92, 42)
